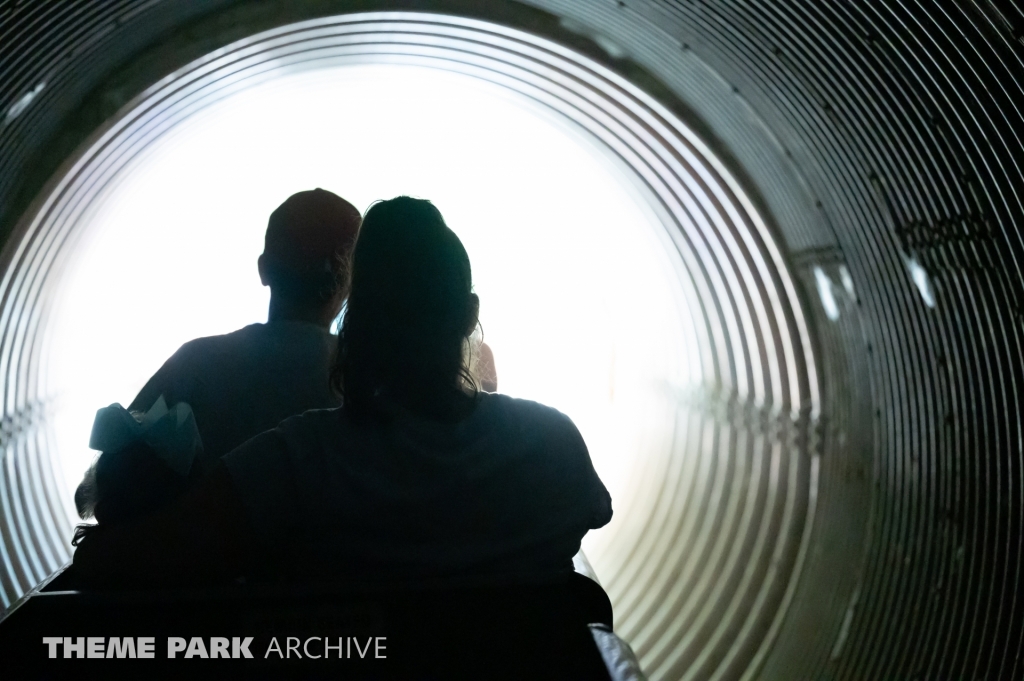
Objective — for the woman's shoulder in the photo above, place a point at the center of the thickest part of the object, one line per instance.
(314, 418)
(296, 433)
(313, 425)
(520, 407)
(296, 444)
(525, 415)
(556, 462)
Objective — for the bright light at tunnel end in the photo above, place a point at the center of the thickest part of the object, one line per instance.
(572, 283)
(625, 279)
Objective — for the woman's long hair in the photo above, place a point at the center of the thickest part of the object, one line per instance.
(410, 310)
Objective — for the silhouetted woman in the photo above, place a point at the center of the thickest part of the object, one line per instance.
(418, 476)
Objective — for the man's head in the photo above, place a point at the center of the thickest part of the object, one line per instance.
(306, 252)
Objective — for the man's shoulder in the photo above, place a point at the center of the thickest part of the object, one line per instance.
(197, 358)
(198, 346)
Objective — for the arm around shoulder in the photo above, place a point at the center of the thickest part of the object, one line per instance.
(203, 537)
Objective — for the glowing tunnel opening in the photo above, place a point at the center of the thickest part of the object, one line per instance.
(577, 294)
(625, 279)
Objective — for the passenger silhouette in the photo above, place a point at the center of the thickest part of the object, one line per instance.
(418, 476)
(245, 382)
(241, 383)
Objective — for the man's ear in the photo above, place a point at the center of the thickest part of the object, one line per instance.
(262, 267)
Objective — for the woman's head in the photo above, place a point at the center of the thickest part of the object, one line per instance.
(410, 310)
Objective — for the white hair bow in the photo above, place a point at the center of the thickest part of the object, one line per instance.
(172, 433)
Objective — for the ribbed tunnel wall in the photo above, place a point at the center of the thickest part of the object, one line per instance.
(877, 140)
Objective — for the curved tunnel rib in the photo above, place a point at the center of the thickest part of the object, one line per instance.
(691, 606)
(877, 142)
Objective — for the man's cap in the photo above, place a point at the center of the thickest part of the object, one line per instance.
(311, 228)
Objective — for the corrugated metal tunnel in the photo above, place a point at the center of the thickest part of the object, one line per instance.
(839, 185)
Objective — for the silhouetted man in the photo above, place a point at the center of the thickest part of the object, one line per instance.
(245, 382)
